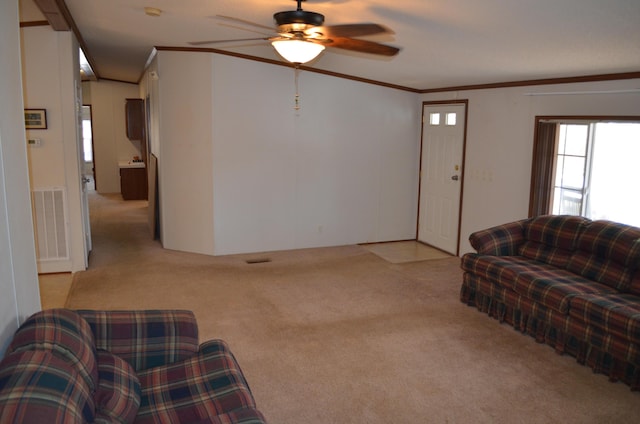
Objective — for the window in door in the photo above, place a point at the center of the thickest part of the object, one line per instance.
(587, 168)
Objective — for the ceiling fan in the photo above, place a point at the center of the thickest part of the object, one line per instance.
(300, 36)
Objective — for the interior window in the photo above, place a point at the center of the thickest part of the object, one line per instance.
(587, 168)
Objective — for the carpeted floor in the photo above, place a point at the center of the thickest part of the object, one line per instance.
(339, 335)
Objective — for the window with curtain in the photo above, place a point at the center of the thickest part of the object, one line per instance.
(587, 167)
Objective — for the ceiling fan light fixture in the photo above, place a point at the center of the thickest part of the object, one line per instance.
(297, 51)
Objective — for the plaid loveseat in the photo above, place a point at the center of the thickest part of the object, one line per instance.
(66, 366)
(569, 282)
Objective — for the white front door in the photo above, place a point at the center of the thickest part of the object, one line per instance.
(443, 131)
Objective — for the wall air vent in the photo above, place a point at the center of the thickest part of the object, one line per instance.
(50, 223)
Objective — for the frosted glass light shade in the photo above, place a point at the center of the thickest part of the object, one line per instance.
(297, 51)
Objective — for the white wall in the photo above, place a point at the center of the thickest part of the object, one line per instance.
(500, 142)
(19, 293)
(51, 78)
(185, 145)
(110, 142)
(241, 171)
(341, 170)
(236, 155)
(42, 91)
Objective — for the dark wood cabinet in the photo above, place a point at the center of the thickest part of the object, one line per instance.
(134, 111)
(133, 183)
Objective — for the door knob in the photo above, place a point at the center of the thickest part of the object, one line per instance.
(455, 178)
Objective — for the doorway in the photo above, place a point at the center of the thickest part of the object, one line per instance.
(87, 173)
(88, 163)
(441, 174)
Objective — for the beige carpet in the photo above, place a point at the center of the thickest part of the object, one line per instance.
(339, 335)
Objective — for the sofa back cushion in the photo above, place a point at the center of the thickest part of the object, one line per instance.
(552, 239)
(36, 386)
(66, 335)
(608, 252)
(145, 338)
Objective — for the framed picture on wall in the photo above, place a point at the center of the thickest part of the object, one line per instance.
(35, 119)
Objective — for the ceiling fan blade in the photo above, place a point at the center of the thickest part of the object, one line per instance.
(200, 43)
(351, 30)
(243, 21)
(271, 33)
(362, 46)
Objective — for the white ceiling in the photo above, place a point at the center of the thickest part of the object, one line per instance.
(444, 42)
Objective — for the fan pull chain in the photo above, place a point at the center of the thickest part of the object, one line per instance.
(297, 96)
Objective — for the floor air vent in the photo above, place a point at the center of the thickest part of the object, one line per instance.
(50, 222)
(258, 261)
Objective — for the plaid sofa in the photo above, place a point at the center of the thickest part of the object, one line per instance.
(66, 366)
(569, 282)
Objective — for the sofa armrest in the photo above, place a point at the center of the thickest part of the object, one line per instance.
(145, 338)
(501, 240)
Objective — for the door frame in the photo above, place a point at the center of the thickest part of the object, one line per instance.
(465, 102)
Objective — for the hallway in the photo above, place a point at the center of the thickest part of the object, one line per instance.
(115, 224)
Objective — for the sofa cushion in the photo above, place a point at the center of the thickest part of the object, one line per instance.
(206, 385)
(501, 270)
(506, 296)
(618, 314)
(37, 386)
(66, 334)
(484, 287)
(552, 238)
(600, 341)
(118, 396)
(609, 253)
(554, 288)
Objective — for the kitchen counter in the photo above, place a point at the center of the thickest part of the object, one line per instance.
(133, 180)
(130, 164)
